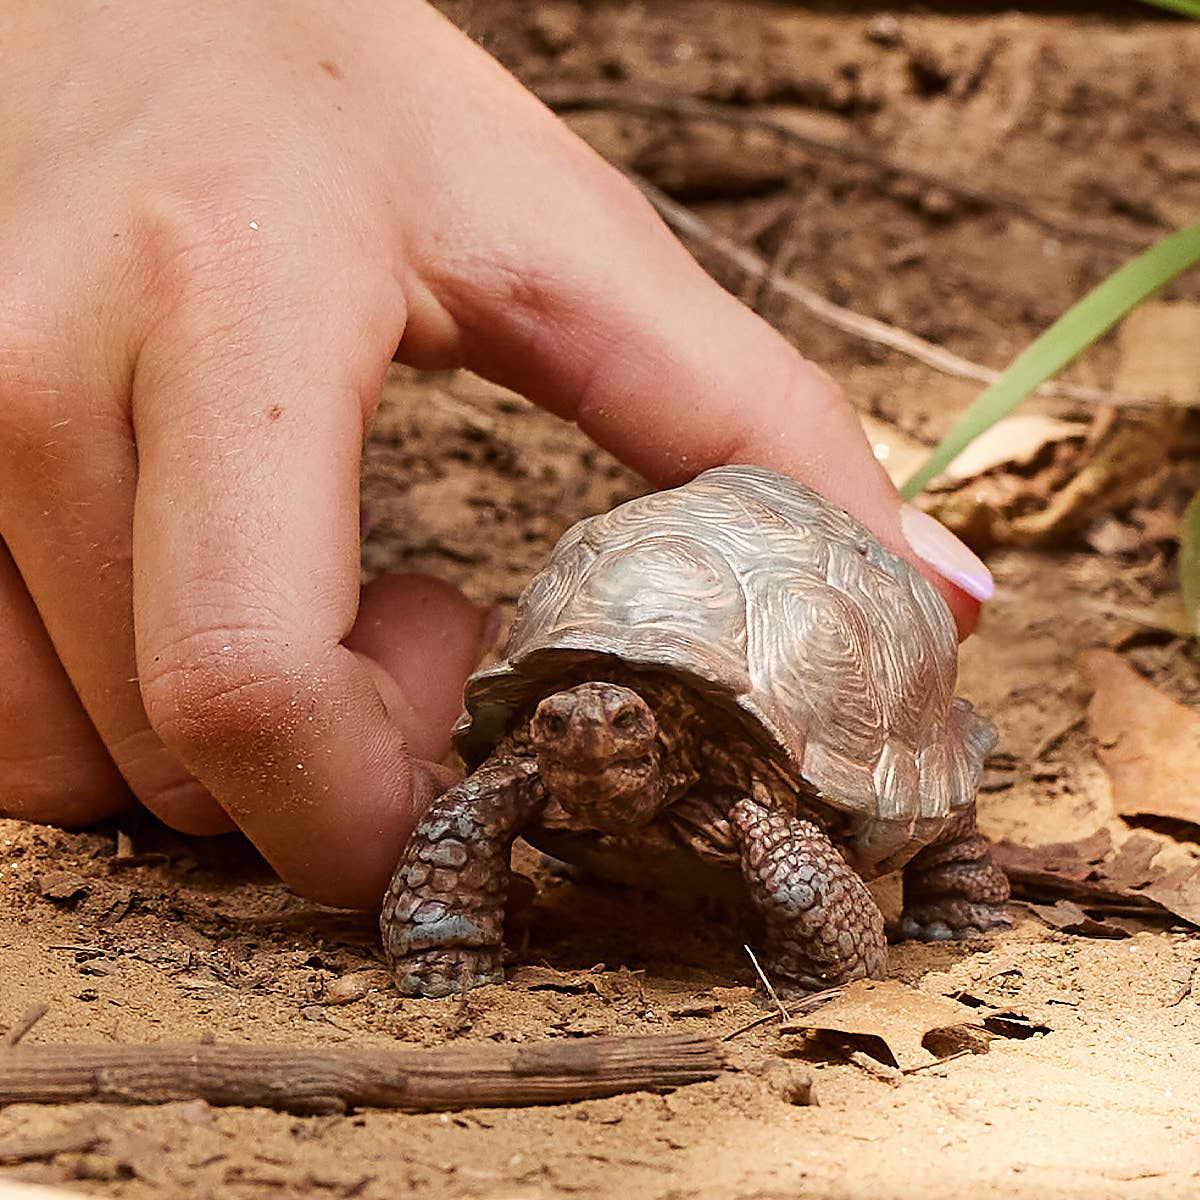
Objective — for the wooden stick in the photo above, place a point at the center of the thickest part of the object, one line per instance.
(334, 1080)
(688, 224)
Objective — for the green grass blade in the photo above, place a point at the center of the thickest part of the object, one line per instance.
(1189, 8)
(1189, 562)
(1072, 333)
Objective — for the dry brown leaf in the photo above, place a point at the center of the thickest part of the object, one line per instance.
(1167, 613)
(1131, 866)
(1066, 486)
(1086, 873)
(1160, 352)
(892, 1018)
(548, 979)
(1148, 743)
(1066, 862)
(608, 985)
(1012, 442)
(1179, 893)
(1056, 482)
(1067, 916)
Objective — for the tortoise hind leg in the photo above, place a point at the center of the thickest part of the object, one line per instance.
(443, 915)
(952, 888)
(823, 925)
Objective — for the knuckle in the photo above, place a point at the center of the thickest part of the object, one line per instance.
(199, 225)
(222, 693)
(238, 293)
(202, 258)
(506, 266)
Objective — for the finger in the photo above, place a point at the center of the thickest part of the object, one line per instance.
(67, 471)
(428, 637)
(674, 376)
(53, 766)
(247, 570)
(597, 312)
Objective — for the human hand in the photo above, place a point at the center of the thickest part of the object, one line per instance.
(217, 222)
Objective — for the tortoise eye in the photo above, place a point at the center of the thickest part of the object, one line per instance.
(625, 722)
(552, 724)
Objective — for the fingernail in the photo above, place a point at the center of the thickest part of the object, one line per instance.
(933, 543)
(489, 633)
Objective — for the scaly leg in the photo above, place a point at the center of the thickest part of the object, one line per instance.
(823, 925)
(443, 915)
(952, 888)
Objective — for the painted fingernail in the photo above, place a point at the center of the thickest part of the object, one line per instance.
(933, 543)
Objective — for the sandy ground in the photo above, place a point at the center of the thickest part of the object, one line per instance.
(193, 939)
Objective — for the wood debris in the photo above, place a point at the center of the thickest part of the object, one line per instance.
(1101, 882)
(62, 886)
(333, 1080)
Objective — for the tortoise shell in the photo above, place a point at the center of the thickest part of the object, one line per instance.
(837, 656)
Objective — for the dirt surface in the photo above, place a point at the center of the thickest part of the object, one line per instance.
(978, 170)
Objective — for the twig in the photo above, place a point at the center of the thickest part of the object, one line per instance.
(462, 1013)
(757, 291)
(567, 97)
(767, 983)
(685, 222)
(333, 1080)
(25, 1024)
(937, 1062)
(801, 1008)
(774, 1016)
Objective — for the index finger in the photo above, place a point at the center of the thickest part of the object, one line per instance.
(596, 311)
(672, 374)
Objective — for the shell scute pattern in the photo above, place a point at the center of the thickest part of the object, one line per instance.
(843, 656)
(807, 634)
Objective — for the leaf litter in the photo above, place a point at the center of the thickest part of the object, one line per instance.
(895, 1024)
(1148, 743)
(1149, 746)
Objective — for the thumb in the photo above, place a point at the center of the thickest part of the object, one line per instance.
(428, 637)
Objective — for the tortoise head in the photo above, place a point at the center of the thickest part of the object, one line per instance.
(597, 751)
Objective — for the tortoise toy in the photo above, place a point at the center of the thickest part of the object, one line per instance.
(730, 677)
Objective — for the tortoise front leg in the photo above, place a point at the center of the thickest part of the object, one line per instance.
(443, 915)
(952, 888)
(823, 925)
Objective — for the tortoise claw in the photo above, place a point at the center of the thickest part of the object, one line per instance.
(956, 921)
(450, 971)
